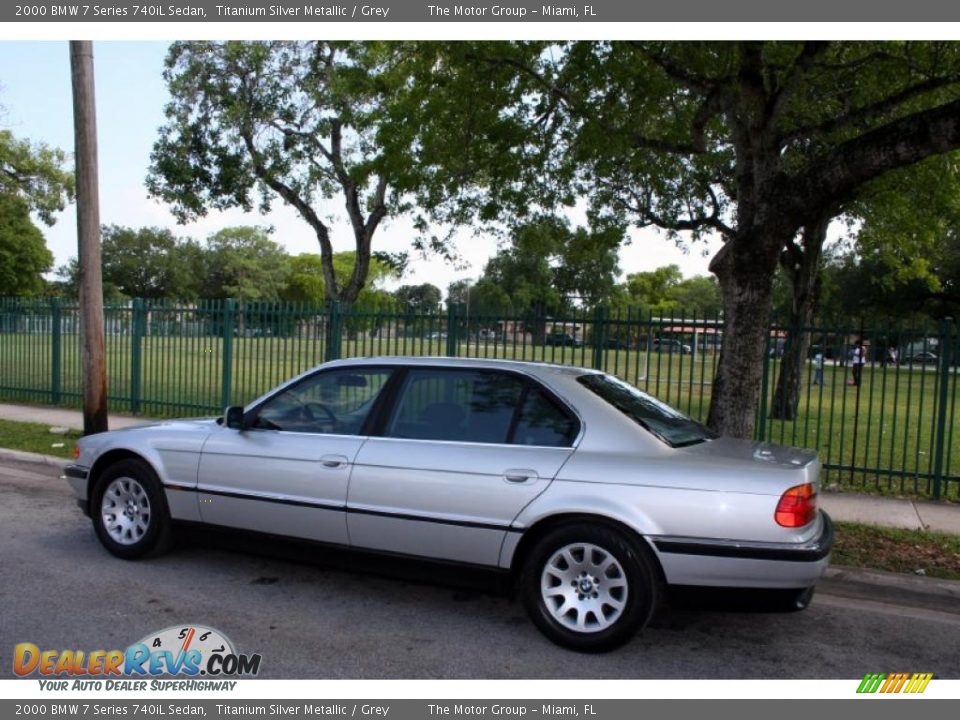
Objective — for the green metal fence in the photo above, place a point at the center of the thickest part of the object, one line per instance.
(896, 431)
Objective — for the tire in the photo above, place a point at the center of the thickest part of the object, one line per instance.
(614, 587)
(129, 510)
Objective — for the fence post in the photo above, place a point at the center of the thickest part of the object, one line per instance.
(940, 447)
(137, 318)
(56, 350)
(764, 387)
(453, 327)
(600, 316)
(229, 311)
(334, 331)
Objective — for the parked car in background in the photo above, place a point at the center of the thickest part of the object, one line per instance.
(921, 358)
(670, 346)
(561, 339)
(591, 497)
(619, 344)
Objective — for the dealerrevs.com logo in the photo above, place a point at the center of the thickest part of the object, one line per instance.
(183, 651)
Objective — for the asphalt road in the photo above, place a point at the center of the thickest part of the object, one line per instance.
(313, 616)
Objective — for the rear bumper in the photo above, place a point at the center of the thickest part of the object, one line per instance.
(732, 563)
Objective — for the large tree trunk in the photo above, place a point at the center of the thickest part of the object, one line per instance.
(801, 264)
(745, 267)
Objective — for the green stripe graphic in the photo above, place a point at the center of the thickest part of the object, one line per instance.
(871, 682)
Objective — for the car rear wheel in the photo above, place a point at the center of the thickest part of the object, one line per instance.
(129, 510)
(589, 587)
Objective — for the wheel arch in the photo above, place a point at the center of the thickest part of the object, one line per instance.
(106, 460)
(539, 529)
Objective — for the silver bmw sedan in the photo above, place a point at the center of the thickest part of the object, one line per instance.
(592, 496)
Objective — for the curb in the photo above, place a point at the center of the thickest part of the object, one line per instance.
(891, 588)
(29, 457)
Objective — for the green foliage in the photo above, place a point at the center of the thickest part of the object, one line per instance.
(305, 281)
(34, 173)
(423, 298)
(24, 256)
(252, 122)
(753, 141)
(699, 294)
(664, 292)
(150, 263)
(546, 266)
(245, 264)
(873, 284)
(907, 227)
(32, 179)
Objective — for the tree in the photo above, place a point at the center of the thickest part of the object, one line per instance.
(144, 263)
(424, 298)
(652, 289)
(665, 292)
(34, 173)
(546, 265)
(245, 264)
(24, 256)
(305, 279)
(758, 142)
(698, 295)
(251, 122)
(32, 179)
(150, 263)
(901, 220)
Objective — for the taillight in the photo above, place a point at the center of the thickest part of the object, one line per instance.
(76, 452)
(797, 506)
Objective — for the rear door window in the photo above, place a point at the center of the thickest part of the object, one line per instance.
(455, 405)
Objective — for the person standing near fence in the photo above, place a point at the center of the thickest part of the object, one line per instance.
(818, 369)
(858, 360)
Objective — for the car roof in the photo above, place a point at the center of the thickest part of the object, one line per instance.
(536, 368)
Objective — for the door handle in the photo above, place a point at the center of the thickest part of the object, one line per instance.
(332, 461)
(519, 475)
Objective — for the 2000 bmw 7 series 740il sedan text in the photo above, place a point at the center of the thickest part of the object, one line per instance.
(593, 496)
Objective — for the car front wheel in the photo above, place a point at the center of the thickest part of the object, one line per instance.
(129, 510)
(589, 587)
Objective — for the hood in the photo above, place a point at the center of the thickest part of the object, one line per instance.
(178, 424)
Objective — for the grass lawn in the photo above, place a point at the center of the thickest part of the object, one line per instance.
(895, 550)
(37, 438)
(885, 430)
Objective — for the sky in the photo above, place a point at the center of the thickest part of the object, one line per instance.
(35, 97)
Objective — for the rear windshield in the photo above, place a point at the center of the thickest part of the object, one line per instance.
(662, 420)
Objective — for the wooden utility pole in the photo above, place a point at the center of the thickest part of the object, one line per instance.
(88, 238)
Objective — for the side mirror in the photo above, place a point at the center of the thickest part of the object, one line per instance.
(234, 418)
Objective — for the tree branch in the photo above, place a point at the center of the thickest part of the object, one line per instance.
(675, 71)
(872, 111)
(643, 208)
(582, 110)
(306, 212)
(900, 143)
(804, 62)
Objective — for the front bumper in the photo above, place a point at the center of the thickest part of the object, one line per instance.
(733, 563)
(76, 476)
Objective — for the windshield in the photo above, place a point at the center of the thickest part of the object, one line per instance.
(662, 420)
